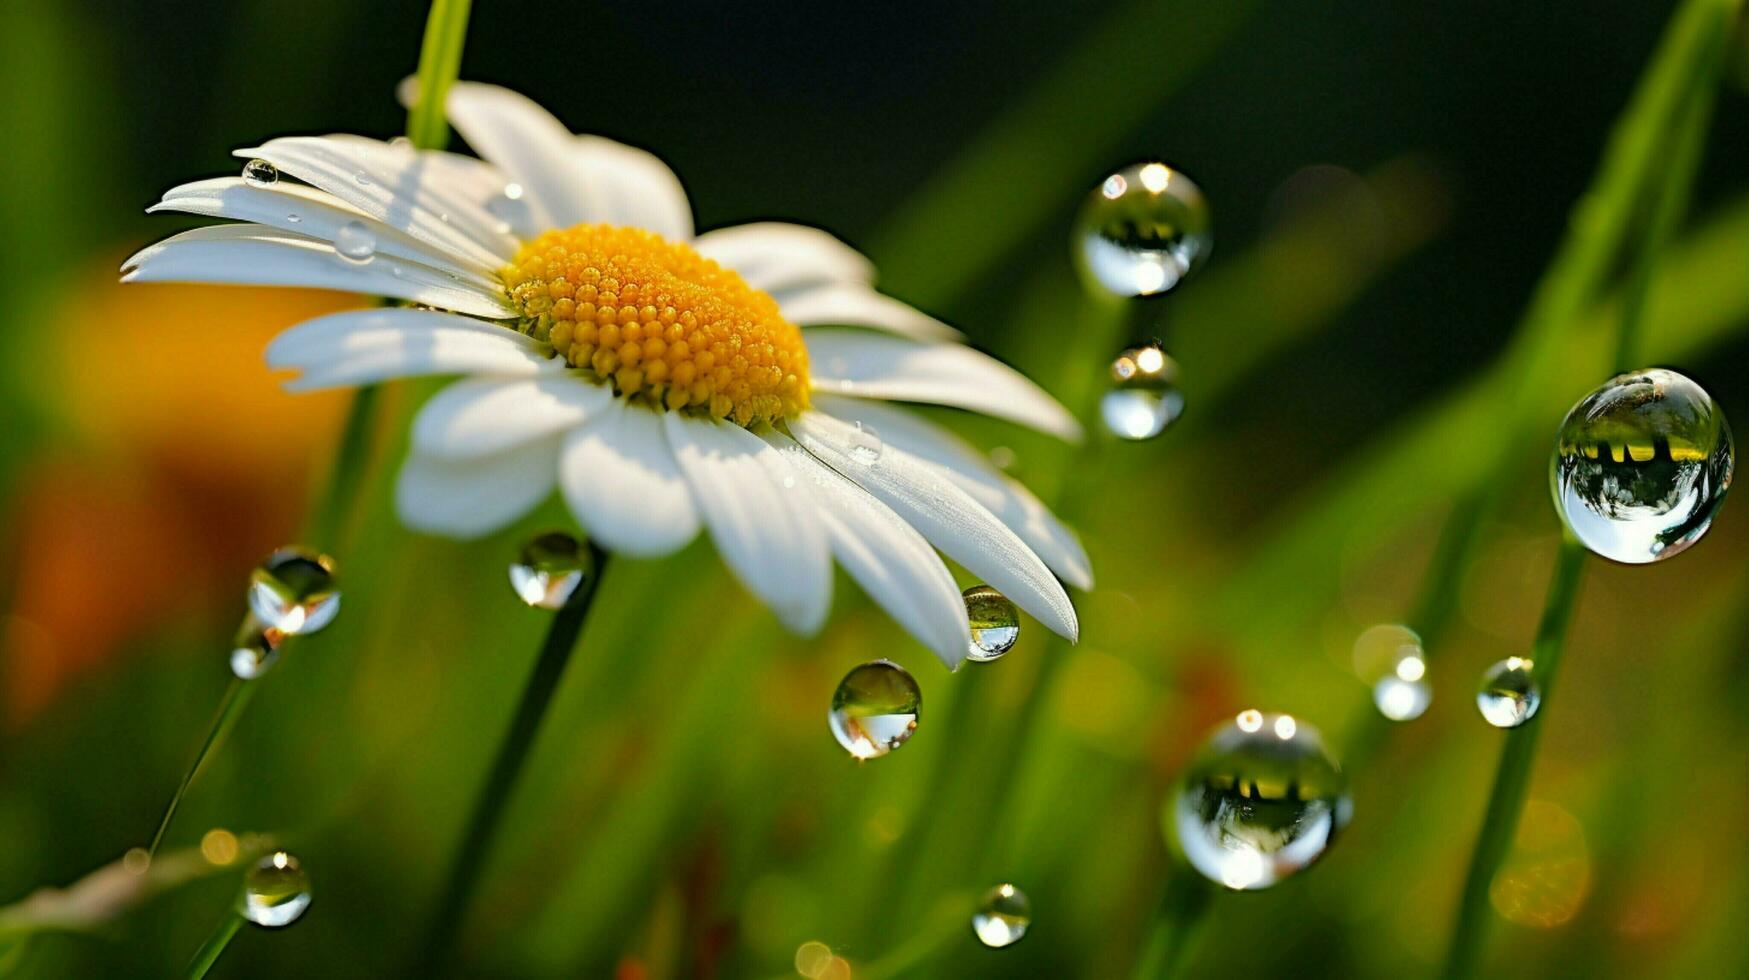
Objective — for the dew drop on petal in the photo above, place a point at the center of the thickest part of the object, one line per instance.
(1142, 231)
(866, 445)
(1143, 398)
(994, 621)
(260, 173)
(275, 892)
(355, 243)
(256, 649)
(1002, 917)
(1641, 466)
(1261, 800)
(1509, 694)
(875, 708)
(294, 591)
(550, 569)
(293, 217)
(362, 178)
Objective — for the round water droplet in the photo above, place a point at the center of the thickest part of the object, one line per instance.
(865, 444)
(362, 178)
(875, 708)
(1509, 695)
(1142, 231)
(294, 591)
(275, 892)
(260, 173)
(1002, 917)
(354, 243)
(293, 217)
(550, 569)
(1641, 466)
(1144, 398)
(994, 620)
(1390, 658)
(256, 649)
(1261, 800)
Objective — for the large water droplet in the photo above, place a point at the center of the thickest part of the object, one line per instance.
(275, 892)
(256, 649)
(1509, 694)
(875, 708)
(260, 173)
(994, 620)
(1142, 231)
(1641, 466)
(355, 243)
(550, 569)
(1002, 917)
(294, 591)
(1261, 800)
(866, 445)
(1144, 398)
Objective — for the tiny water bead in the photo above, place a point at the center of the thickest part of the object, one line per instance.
(875, 708)
(550, 569)
(1641, 466)
(1144, 398)
(260, 173)
(294, 591)
(1142, 230)
(1261, 800)
(1002, 917)
(866, 444)
(994, 620)
(275, 892)
(256, 649)
(1509, 694)
(355, 243)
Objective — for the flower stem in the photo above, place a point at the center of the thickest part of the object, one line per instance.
(488, 811)
(440, 60)
(209, 952)
(230, 709)
(1177, 921)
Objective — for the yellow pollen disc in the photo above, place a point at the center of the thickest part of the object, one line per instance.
(660, 322)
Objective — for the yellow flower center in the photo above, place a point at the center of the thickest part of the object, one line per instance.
(660, 322)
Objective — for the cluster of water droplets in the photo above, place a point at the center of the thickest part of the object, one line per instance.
(276, 891)
(550, 569)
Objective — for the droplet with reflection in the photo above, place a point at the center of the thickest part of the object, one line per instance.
(1390, 658)
(1261, 800)
(994, 621)
(256, 649)
(260, 173)
(875, 708)
(1002, 917)
(294, 591)
(275, 892)
(1143, 398)
(1509, 694)
(866, 444)
(1142, 230)
(355, 243)
(1641, 466)
(550, 569)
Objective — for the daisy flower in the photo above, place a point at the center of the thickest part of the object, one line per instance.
(736, 381)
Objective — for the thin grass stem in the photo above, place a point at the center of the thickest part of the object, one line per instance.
(1177, 923)
(214, 947)
(230, 708)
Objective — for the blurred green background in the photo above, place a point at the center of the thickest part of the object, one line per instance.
(1389, 183)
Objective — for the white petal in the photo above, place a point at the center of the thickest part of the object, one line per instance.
(629, 186)
(366, 346)
(886, 556)
(310, 213)
(765, 524)
(866, 365)
(846, 304)
(254, 255)
(947, 516)
(775, 256)
(397, 185)
(1012, 503)
(620, 479)
(525, 142)
(481, 416)
(468, 498)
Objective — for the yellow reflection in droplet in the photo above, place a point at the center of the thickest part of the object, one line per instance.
(219, 846)
(1547, 875)
(1155, 177)
(813, 958)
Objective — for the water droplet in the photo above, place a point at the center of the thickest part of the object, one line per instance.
(1261, 800)
(1144, 398)
(256, 649)
(1390, 658)
(1641, 466)
(275, 892)
(294, 591)
(510, 208)
(550, 568)
(362, 178)
(994, 620)
(260, 173)
(875, 708)
(355, 243)
(1509, 694)
(1142, 231)
(137, 861)
(1002, 917)
(865, 444)
(293, 217)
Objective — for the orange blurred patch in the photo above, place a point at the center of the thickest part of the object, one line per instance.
(185, 463)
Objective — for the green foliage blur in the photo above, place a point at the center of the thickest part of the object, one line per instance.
(1389, 184)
